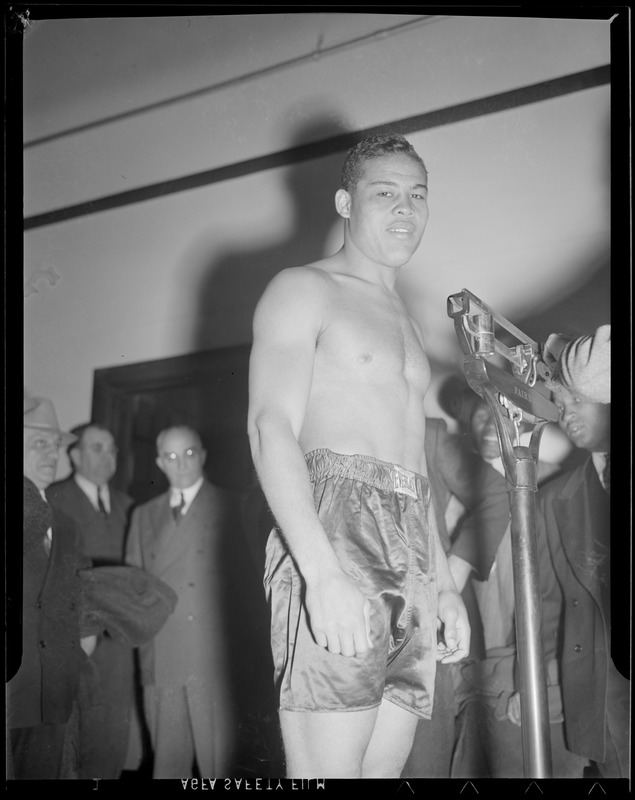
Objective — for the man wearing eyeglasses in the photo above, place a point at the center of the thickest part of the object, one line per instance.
(179, 536)
(109, 744)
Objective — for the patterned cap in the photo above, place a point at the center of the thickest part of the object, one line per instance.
(583, 365)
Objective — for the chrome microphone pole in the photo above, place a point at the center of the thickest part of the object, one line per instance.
(515, 395)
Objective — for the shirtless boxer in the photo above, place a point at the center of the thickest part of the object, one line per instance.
(362, 600)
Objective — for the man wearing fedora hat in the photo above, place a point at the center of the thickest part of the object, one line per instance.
(48, 651)
(573, 527)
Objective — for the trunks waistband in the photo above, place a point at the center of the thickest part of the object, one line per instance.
(382, 475)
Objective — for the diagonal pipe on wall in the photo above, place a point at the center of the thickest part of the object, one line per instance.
(514, 98)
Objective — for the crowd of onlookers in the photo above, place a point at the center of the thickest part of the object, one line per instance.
(120, 658)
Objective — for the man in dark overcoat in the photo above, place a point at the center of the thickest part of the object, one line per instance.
(101, 512)
(42, 692)
(574, 523)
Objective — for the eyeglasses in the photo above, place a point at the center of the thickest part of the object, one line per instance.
(44, 445)
(190, 453)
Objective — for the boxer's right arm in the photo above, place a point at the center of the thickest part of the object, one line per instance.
(287, 324)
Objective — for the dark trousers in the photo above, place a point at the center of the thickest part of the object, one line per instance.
(37, 753)
(106, 700)
(616, 763)
(488, 747)
(431, 752)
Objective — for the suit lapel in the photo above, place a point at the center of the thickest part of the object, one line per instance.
(578, 511)
(204, 510)
(171, 541)
(38, 562)
(79, 499)
(199, 523)
(168, 542)
(165, 541)
(118, 511)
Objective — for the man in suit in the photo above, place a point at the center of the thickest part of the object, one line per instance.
(41, 695)
(489, 743)
(460, 469)
(574, 537)
(451, 469)
(179, 537)
(101, 510)
(101, 513)
(589, 698)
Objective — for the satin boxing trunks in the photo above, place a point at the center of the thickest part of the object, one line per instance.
(376, 517)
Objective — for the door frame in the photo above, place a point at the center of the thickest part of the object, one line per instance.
(116, 391)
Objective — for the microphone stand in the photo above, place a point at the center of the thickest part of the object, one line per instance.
(515, 395)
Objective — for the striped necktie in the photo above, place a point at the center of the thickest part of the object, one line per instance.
(100, 504)
(177, 511)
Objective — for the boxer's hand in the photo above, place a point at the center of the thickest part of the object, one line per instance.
(339, 614)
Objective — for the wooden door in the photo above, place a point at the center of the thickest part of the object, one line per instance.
(207, 390)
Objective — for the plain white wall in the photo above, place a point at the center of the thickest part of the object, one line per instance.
(519, 199)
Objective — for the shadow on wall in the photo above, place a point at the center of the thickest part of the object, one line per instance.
(581, 312)
(588, 304)
(238, 279)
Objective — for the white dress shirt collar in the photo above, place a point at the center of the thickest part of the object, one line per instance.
(189, 494)
(90, 490)
(599, 462)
